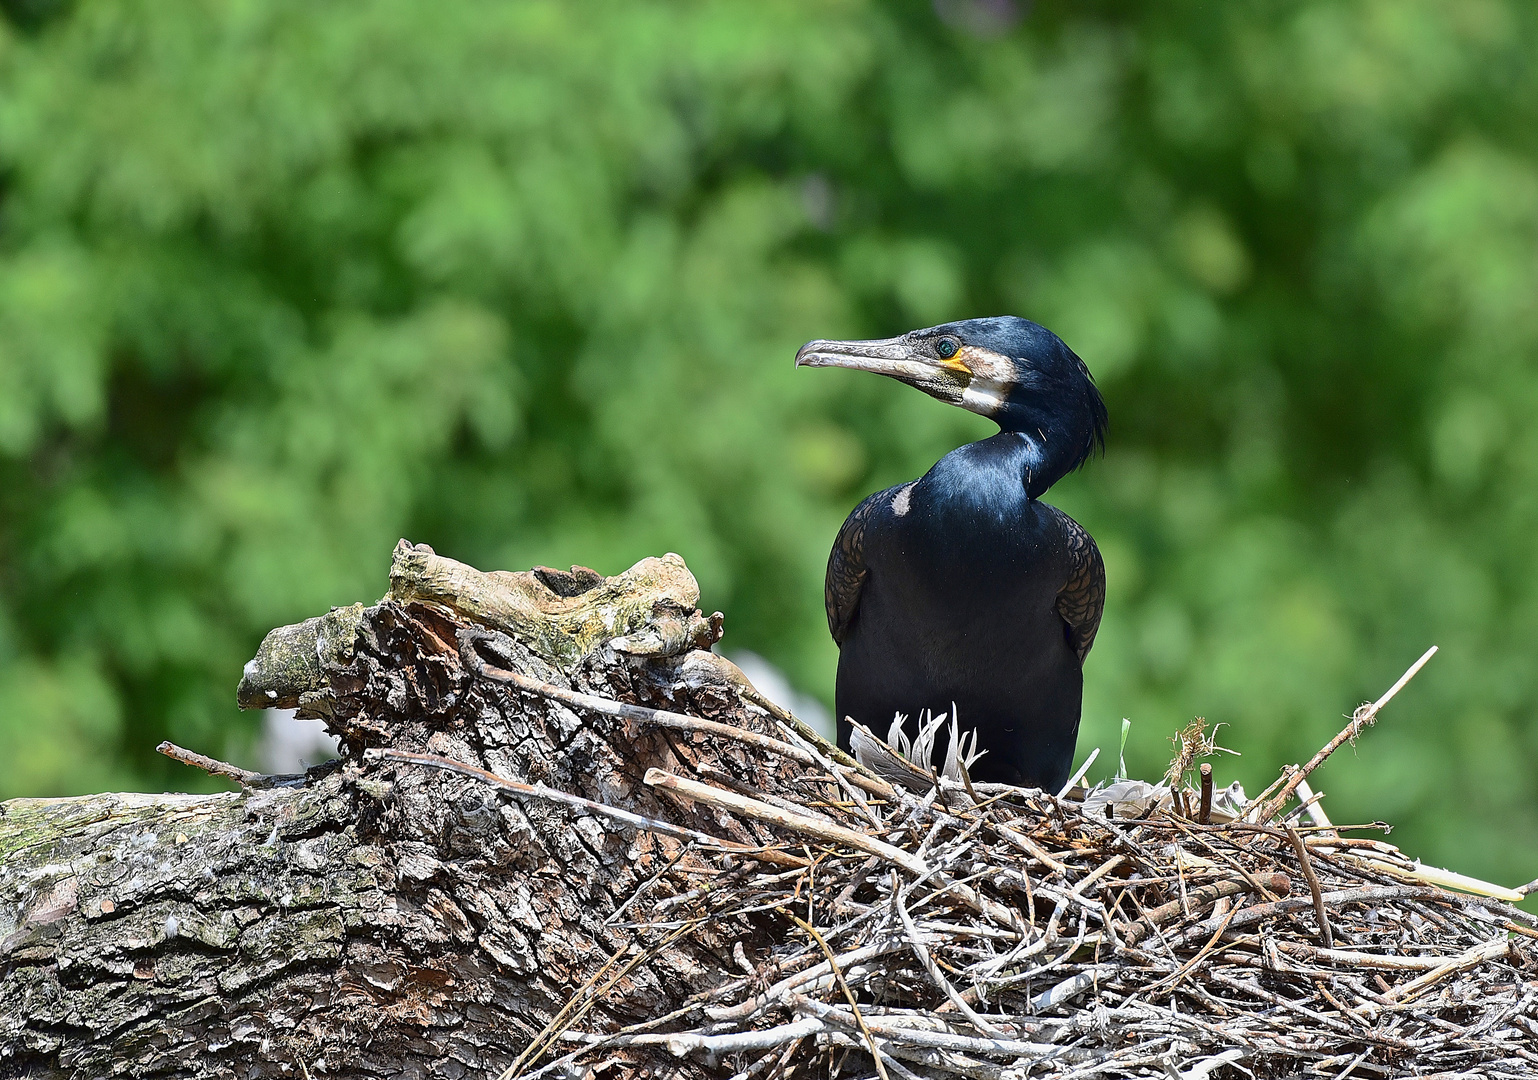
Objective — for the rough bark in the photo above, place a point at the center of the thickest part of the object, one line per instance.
(380, 918)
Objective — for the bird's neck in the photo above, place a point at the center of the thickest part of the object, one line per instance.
(995, 471)
(1041, 459)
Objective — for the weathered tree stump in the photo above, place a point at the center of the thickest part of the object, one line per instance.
(377, 918)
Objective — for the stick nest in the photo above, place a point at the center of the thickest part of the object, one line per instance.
(937, 928)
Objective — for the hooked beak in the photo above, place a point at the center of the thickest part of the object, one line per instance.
(899, 358)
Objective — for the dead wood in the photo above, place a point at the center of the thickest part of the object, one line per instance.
(377, 917)
(566, 839)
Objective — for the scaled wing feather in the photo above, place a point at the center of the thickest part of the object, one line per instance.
(847, 570)
(1081, 601)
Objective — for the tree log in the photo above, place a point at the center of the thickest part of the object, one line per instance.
(375, 917)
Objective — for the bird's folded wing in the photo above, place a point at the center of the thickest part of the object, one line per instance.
(846, 567)
(1081, 601)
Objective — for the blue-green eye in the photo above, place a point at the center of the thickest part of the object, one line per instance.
(947, 347)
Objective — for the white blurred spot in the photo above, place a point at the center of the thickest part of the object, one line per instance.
(981, 18)
(817, 199)
(291, 745)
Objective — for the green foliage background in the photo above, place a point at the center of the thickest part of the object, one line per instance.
(281, 282)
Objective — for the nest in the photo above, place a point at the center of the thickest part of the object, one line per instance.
(926, 926)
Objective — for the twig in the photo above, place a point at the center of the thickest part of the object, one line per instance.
(1205, 817)
(687, 1042)
(541, 1042)
(1362, 718)
(844, 782)
(637, 713)
(809, 826)
(1096, 874)
(1326, 935)
(875, 1051)
(1202, 954)
(540, 791)
(944, 1039)
(1357, 959)
(1491, 950)
(745, 1010)
(1079, 775)
(1311, 806)
(927, 962)
(1261, 912)
(213, 766)
(1031, 848)
(1200, 899)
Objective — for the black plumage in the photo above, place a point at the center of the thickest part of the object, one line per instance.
(962, 588)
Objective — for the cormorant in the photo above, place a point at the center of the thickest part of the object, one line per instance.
(961, 588)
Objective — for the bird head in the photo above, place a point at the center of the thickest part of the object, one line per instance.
(1018, 374)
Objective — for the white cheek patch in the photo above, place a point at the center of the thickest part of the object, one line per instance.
(901, 502)
(984, 396)
(992, 375)
(986, 364)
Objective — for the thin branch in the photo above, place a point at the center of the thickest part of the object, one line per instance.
(212, 766)
(1326, 935)
(540, 791)
(801, 823)
(1361, 719)
(870, 1040)
(638, 713)
(927, 962)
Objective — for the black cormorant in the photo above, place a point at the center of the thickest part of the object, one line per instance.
(962, 588)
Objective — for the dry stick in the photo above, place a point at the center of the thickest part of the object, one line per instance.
(1190, 965)
(1430, 875)
(642, 888)
(1244, 811)
(1079, 775)
(556, 1028)
(801, 823)
(1326, 935)
(1206, 812)
(778, 1065)
(1292, 1006)
(933, 969)
(209, 765)
(638, 713)
(540, 791)
(684, 1042)
(1261, 912)
(1030, 847)
(1308, 800)
(838, 777)
(1096, 874)
(1311, 806)
(832, 833)
(875, 1051)
(746, 1010)
(1254, 883)
(1362, 718)
(536, 1049)
(1355, 958)
(944, 1039)
(1490, 950)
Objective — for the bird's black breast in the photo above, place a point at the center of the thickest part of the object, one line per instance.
(956, 582)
